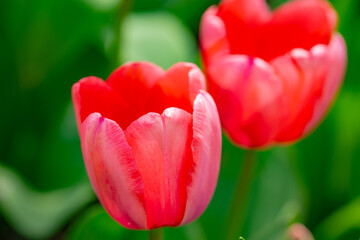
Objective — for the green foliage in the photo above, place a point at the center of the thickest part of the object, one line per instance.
(95, 224)
(45, 54)
(158, 37)
(342, 221)
(39, 215)
(46, 46)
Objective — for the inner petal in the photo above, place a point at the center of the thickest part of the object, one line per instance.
(97, 96)
(296, 24)
(177, 88)
(136, 89)
(134, 83)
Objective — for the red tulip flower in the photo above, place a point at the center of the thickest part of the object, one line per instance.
(274, 74)
(151, 142)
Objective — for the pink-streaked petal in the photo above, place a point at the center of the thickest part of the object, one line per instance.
(197, 82)
(335, 64)
(248, 95)
(298, 89)
(302, 96)
(92, 94)
(213, 42)
(161, 146)
(181, 83)
(112, 171)
(206, 150)
(76, 99)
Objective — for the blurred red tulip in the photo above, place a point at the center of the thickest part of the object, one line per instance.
(151, 142)
(274, 74)
(298, 231)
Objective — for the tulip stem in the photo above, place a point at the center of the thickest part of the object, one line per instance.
(156, 234)
(240, 199)
(122, 10)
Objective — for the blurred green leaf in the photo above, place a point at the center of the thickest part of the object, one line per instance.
(64, 162)
(278, 227)
(104, 5)
(146, 5)
(276, 3)
(349, 22)
(95, 224)
(189, 11)
(38, 215)
(276, 198)
(158, 37)
(343, 172)
(340, 222)
(192, 231)
(213, 219)
(276, 195)
(46, 53)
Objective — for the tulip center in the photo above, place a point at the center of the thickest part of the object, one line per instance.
(129, 93)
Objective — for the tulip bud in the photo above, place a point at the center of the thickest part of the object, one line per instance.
(298, 231)
(274, 74)
(151, 142)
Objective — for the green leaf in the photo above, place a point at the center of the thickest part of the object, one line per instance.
(276, 198)
(192, 231)
(95, 224)
(158, 37)
(344, 167)
(189, 11)
(343, 220)
(104, 5)
(146, 5)
(278, 227)
(45, 54)
(35, 214)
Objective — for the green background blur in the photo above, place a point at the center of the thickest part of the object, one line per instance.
(46, 46)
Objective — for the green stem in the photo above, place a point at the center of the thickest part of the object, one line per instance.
(240, 200)
(156, 234)
(123, 9)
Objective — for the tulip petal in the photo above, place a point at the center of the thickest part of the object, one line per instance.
(112, 170)
(303, 75)
(335, 65)
(249, 98)
(311, 79)
(161, 146)
(135, 81)
(293, 27)
(213, 42)
(181, 84)
(254, 11)
(91, 95)
(243, 20)
(206, 150)
(251, 28)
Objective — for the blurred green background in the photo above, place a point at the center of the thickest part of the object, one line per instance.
(46, 46)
